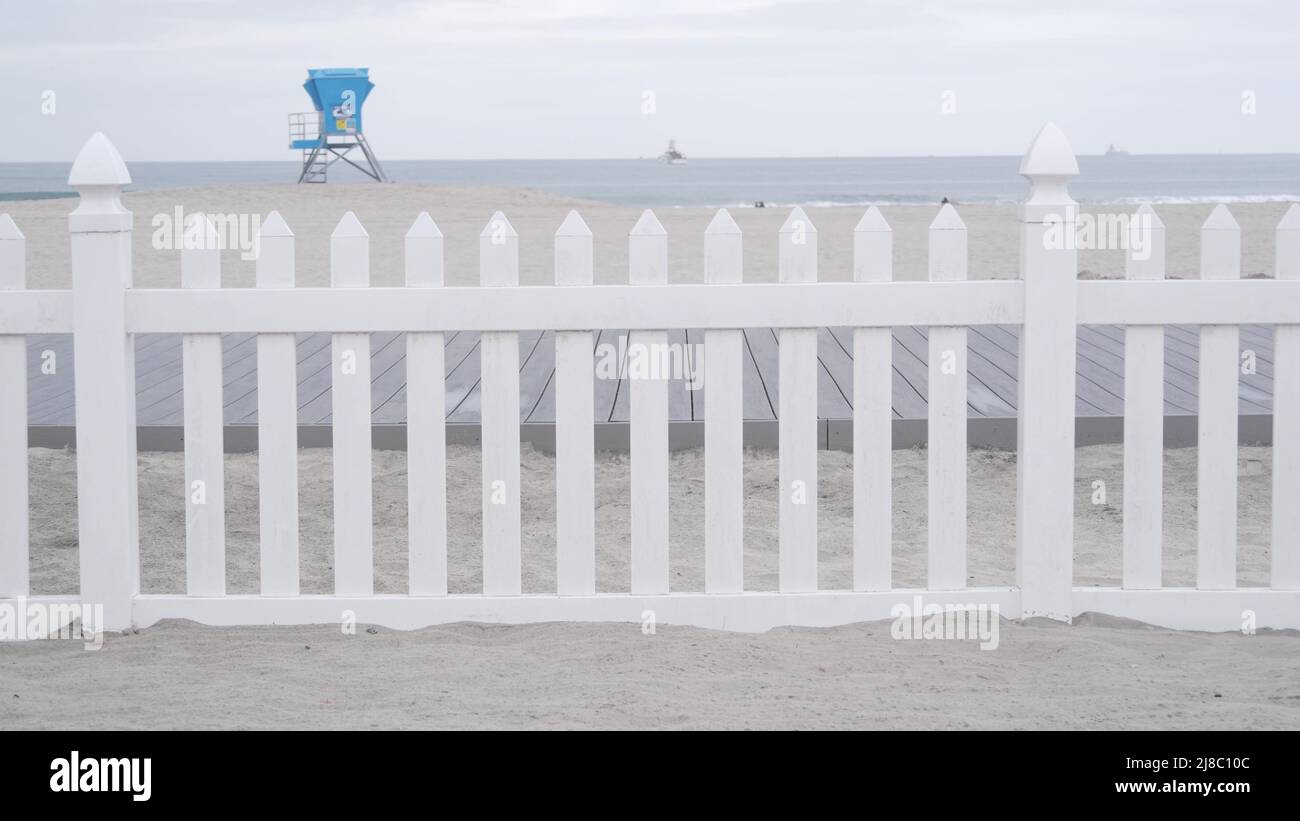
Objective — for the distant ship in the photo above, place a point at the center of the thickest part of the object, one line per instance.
(1112, 151)
(672, 156)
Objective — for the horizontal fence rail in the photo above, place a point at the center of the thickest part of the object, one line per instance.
(103, 313)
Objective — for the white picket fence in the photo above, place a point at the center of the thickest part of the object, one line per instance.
(103, 311)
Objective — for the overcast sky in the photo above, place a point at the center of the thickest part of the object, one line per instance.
(215, 79)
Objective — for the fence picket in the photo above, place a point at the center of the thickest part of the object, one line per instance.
(946, 446)
(797, 417)
(873, 249)
(499, 360)
(575, 460)
(1144, 374)
(1286, 419)
(724, 440)
(426, 429)
(1216, 448)
(277, 422)
(201, 368)
(648, 417)
(354, 568)
(14, 511)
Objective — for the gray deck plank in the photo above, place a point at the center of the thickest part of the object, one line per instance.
(992, 370)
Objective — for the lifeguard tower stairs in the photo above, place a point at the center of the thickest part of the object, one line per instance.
(331, 132)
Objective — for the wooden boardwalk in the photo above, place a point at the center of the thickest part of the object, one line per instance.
(991, 384)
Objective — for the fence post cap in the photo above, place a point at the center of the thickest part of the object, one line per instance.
(648, 225)
(1290, 220)
(1049, 154)
(573, 226)
(722, 223)
(871, 222)
(424, 226)
(98, 163)
(798, 221)
(498, 219)
(349, 226)
(947, 220)
(274, 226)
(1220, 219)
(8, 230)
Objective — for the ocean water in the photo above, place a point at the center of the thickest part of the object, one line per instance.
(742, 182)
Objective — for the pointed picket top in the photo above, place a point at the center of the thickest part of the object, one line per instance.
(98, 163)
(274, 226)
(498, 226)
(573, 226)
(274, 250)
(200, 253)
(1287, 250)
(648, 225)
(1049, 155)
(1144, 258)
(1220, 245)
(1220, 219)
(424, 226)
(871, 222)
(798, 222)
(947, 219)
(1291, 219)
(722, 223)
(423, 247)
(873, 248)
(723, 250)
(8, 230)
(349, 227)
(573, 252)
(1145, 210)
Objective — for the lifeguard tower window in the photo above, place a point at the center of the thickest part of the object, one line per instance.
(330, 133)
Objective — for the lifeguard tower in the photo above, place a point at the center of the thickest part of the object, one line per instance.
(328, 134)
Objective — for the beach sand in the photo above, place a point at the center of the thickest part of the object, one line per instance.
(1101, 672)
(387, 211)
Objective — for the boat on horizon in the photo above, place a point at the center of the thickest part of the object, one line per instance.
(672, 156)
(1113, 151)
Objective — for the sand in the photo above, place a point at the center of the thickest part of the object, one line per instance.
(1099, 673)
(387, 212)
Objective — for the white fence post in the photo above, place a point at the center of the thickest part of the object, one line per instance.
(1286, 419)
(354, 565)
(107, 490)
(201, 374)
(1144, 417)
(648, 417)
(1217, 401)
(502, 569)
(873, 250)
(277, 422)
(724, 433)
(1045, 430)
(426, 423)
(575, 426)
(14, 513)
(797, 424)
(946, 450)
